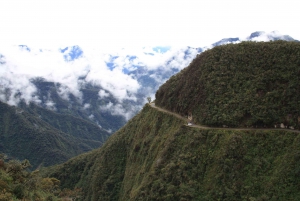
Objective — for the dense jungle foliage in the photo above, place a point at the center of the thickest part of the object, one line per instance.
(44, 137)
(247, 84)
(17, 183)
(156, 157)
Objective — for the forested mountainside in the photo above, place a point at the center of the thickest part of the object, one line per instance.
(89, 102)
(18, 183)
(45, 137)
(238, 85)
(156, 157)
(86, 108)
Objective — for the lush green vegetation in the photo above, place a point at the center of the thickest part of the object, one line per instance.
(17, 183)
(156, 157)
(246, 84)
(101, 173)
(44, 137)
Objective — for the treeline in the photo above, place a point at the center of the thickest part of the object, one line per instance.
(18, 183)
(248, 84)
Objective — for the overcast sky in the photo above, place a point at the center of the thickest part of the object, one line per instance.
(119, 23)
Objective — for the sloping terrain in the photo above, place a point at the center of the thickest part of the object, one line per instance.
(156, 157)
(238, 85)
(49, 92)
(45, 138)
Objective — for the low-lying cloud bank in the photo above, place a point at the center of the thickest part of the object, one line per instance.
(117, 72)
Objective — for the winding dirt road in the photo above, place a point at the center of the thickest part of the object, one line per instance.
(207, 127)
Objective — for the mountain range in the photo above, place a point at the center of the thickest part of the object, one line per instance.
(242, 141)
(76, 103)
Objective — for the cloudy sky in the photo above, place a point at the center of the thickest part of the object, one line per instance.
(111, 23)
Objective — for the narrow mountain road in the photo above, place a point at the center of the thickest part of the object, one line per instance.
(221, 128)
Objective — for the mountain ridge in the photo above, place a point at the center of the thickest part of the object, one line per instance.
(156, 156)
(238, 85)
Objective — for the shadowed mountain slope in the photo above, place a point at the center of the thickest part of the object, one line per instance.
(253, 84)
(48, 92)
(44, 137)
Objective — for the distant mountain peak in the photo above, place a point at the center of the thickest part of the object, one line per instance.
(225, 41)
(273, 35)
(24, 47)
(256, 34)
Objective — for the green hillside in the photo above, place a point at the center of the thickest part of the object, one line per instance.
(156, 157)
(238, 85)
(44, 137)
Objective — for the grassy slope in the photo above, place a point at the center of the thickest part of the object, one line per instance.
(246, 84)
(26, 136)
(156, 157)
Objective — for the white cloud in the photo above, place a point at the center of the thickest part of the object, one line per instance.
(118, 109)
(103, 94)
(50, 105)
(107, 107)
(120, 85)
(51, 65)
(86, 105)
(15, 87)
(108, 130)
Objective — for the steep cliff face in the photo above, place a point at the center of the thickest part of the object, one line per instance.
(157, 157)
(110, 173)
(246, 84)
